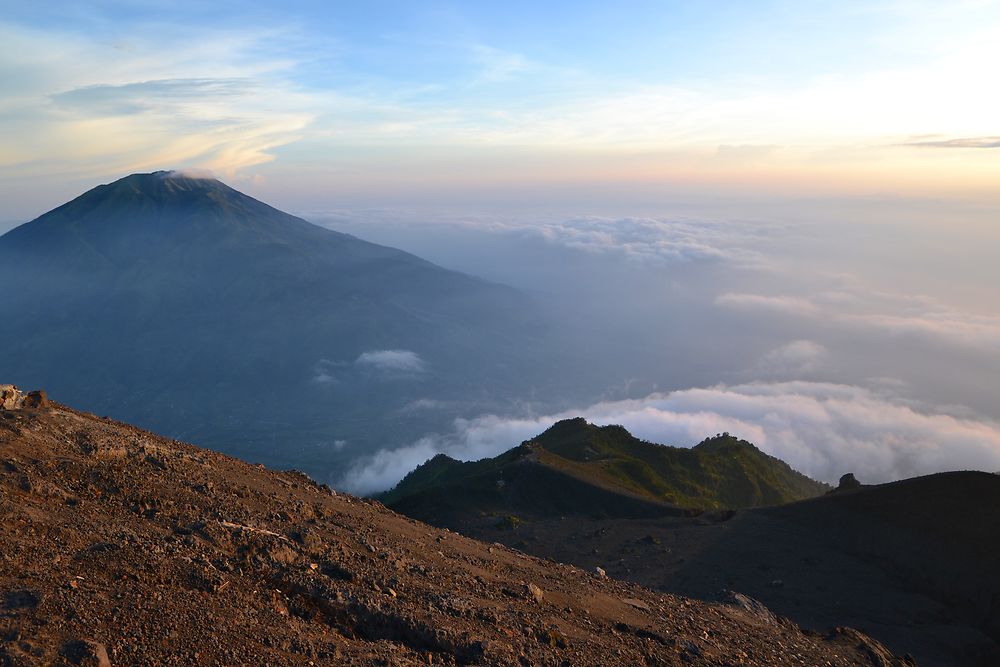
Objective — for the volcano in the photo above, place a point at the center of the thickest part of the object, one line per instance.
(183, 305)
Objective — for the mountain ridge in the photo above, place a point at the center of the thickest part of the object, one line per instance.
(614, 471)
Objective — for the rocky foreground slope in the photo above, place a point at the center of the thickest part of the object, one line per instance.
(120, 547)
(911, 563)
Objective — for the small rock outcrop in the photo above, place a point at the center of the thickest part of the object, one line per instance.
(848, 482)
(12, 398)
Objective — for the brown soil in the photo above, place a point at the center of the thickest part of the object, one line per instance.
(120, 547)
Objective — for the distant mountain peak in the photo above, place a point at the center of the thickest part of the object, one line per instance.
(724, 441)
(158, 216)
(576, 459)
(176, 301)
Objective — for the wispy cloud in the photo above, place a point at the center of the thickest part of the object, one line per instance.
(498, 65)
(199, 99)
(784, 304)
(793, 360)
(144, 96)
(894, 315)
(966, 142)
(373, 364)
(392, 361)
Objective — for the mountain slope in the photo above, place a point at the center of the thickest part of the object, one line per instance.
(183, 305)
(911, 563)
(122, 547)
(578, 468)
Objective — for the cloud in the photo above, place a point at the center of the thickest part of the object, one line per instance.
(192, 173)
(144, 96)
(978, 331)
(375, 364)
(641, 240)
(967, 142)
(425, 405)
(794, 359)
(821, 429)
(385, 468)
(917, 315)
(325, 372)
(784, 304)
(648, 239)
(209, 98)
(392, 361)
(498, 65)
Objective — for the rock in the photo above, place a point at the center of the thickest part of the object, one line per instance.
(10, 397)
(754, 608)
(278, 603)
(848, 482)
(36, 400)
(553, 638)
(308, 539)
(637, 604)
(600, 572)
(281, 554)
(536, 592)
(86, 652)
(877, 654)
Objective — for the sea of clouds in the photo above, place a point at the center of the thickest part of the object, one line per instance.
(867, 347)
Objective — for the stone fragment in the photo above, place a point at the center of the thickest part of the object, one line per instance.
(87, 653)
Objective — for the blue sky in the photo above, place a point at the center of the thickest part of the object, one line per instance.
(358, 99)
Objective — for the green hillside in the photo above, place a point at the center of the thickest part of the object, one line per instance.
(578, 468)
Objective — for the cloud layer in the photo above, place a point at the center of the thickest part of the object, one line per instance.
(821, 429)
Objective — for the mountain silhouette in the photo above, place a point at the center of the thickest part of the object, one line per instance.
(181, 304)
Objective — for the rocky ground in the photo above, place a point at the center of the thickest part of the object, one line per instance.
(118, 547)
(912, 564)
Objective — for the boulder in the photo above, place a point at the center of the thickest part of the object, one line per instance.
(10, 397)
(35, 399)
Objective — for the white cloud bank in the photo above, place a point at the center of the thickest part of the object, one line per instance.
(820, 429)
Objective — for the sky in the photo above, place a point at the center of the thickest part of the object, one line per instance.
(792, 205)
(315, 105)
